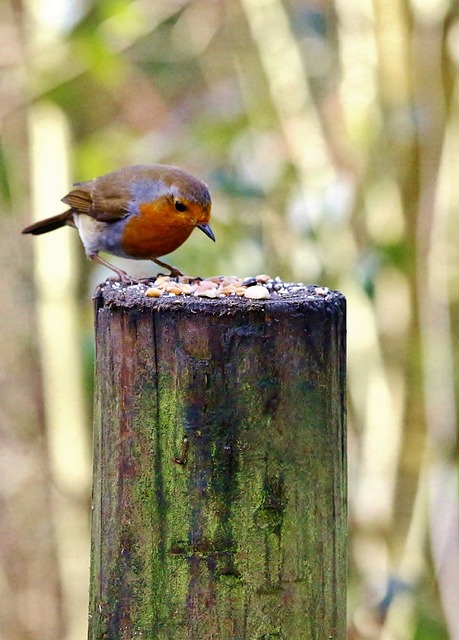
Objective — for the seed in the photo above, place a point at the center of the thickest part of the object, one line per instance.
(206, 293)
(207, 284)
(263, 278)
(153, 292)
(174, 288)
(257, 292)
(228, 289)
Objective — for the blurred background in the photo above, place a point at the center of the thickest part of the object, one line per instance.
(328, 132)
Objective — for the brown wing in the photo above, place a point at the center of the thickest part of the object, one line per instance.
(98, 200)
(79, 199)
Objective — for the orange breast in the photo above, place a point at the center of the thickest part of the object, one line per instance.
(154, 232)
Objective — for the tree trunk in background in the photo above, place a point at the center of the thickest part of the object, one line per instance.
(30, 599)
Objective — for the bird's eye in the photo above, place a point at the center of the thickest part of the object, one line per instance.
(180, 206)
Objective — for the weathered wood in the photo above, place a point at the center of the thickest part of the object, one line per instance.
(219, 500)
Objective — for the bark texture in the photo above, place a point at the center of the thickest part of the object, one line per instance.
(219, 500)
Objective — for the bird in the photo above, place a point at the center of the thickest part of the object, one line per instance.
(140, 212)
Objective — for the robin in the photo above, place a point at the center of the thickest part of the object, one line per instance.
(141, 212)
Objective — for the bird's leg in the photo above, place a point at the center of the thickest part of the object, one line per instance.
(174, 271)
(123, 276)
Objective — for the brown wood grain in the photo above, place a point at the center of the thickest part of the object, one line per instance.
(219, 500)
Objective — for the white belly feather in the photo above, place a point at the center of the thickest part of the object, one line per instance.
(90, 231)
(100, 236)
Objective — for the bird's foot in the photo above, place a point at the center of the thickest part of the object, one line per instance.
(123, 276)
(174, 272)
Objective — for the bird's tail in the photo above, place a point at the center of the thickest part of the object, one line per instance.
(49, 224)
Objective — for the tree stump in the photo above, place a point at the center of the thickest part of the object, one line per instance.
(219, 495)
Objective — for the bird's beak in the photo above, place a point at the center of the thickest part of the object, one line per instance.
(205, 228)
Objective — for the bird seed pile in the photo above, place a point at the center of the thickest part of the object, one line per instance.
(261, 287)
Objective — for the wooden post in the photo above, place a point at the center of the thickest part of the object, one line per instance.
(219, 496)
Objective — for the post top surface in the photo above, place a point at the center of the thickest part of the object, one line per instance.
(220, 294)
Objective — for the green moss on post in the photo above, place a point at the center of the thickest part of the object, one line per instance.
(219, 500)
